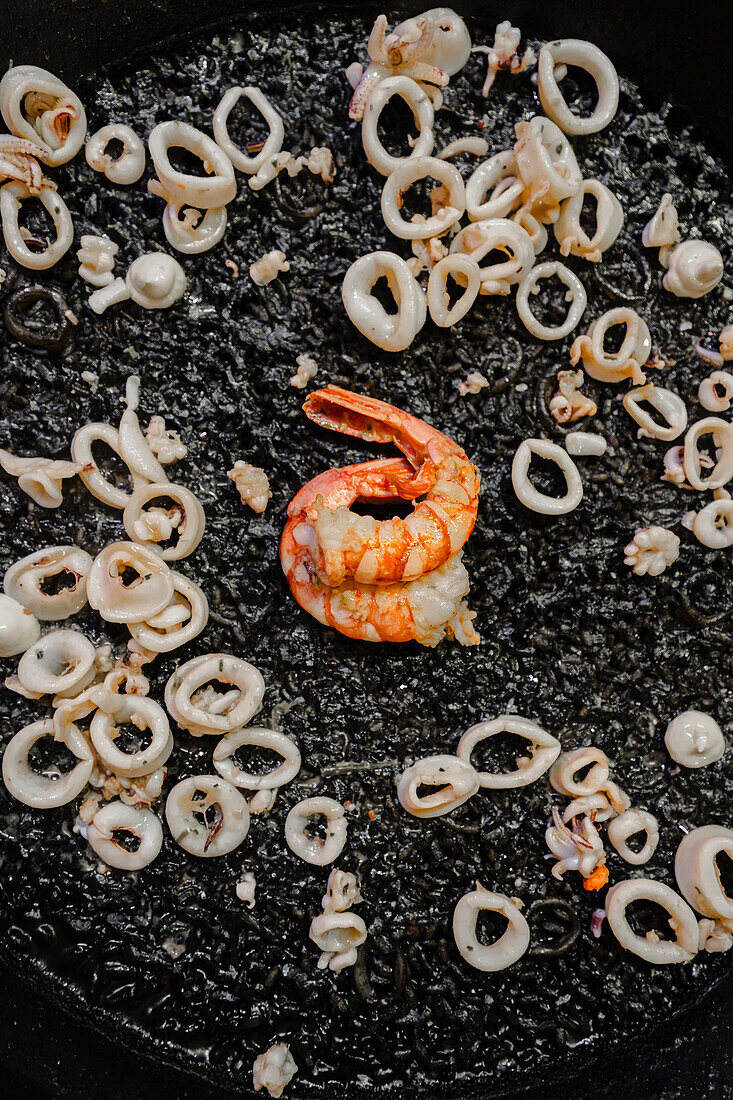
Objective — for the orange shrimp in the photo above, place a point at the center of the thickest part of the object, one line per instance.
(437, 470)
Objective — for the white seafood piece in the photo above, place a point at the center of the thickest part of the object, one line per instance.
(629, 824)
(504, 54)
(694, 739)
(651, 947)
(575, 295)
(565, 769)
(12, 196)
(709, 391)
(44, 792)
(40, 478)
(510, 946)
(125, 169)
(314, 849)
(165, 443)
(578, 848)
(722, 433)
(614, 366)
(419, 103)
(190, 521)
(473, 383)
(36, 105)
(663, 228)
(583, 55)
(96, 482)
(532, 226)
(698, 873)
(652, 550)
(713, 524)
(570, 234)
(595, 806)
(337, 936)
(97, 259)
(544, 750)
(669, 405)
(341, 892)
(443, 314)
(545, 160)
(154, 280)
(196, 230)
(19, 627)
(274, 1070)
(182, 620)
(183, 812)
(569, 403)
(531, 497)
(262, 801)
(726, 343)
(274, 141)
(694, 268)
(497, 177)
(268, 267)
(229, 711)
(120, 602)
(253, 485)
(139, 711)
(139, 822)
(307, 369)
(585, 444)
(144, 789)
(134, 447)
(60, 663)
(262, 738)
(25, 579)
(390, 331)
(502, 235)
(211, 191)
(454, 781)
(476, 146)
(18, 162)
(319, 162)
(402, 178)
(245, 889)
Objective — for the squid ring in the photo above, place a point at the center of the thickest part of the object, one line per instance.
(51, 102)
(698, 874)
(118, 817)
(713, 524)
(60, 663)
(190, 528)
(125, 169)
(40, 791)
(568, 764)
(119, 602)
(203, 192)
(437, 297)
(392, 332)
(570, 234)
(628, 824)
(545, 750)
(614, 366)
(196, 231)
(182, 813)
(584, 55)
(141, 712)
(12, 196)
(180, 622)
(274, 141)
(672, 408)
(498, 175)
(503, 235)
(576, 294)
(722, 432)
(231, 710)
(313, 849)
(95, 481)
(510, 946)
(650, 948)
(532, 498)
(24, 581)
(407, 173)
(418, 101)
(455, 781)
(708, 394)
(546, 161)
(263, 738)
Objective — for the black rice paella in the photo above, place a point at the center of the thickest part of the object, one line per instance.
(570, 635)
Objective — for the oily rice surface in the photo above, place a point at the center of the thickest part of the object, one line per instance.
(569, 637)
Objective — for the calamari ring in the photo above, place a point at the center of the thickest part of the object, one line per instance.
(497, 234)
(698, 874)
(505, 951)
(53, 101)
(313, 849)
(392, 332)
(34, 789)
(722, 432)
(262, 738)
(713, 524)
(125, 169)
(438, 300)
(545, 750)
(708, 394)
(418, 101)
(650, 947)
(669, 404)
(546, 161)
(190, 528)
(24, 581)
(60, 663)
(118, 817)
(584, 55)
(576, 292)
(180, 622)
(118, 602)
(568, 764)
(409, 172)
(239, 705)
(628, 824)
(202, 192)
(190, 234)
(141, 712)
(499, 175)
(12, 196)
(614, 366)
(533, 498)
(181, 810)
(455, 781)
(95, 481)
(570, 234)
(274, 141)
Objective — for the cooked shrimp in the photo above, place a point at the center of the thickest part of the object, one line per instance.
(435, 469)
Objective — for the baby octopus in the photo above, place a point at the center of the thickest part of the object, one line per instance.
(389, 580)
